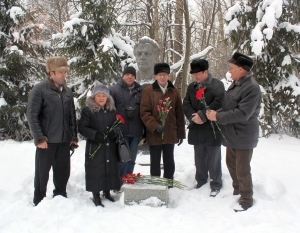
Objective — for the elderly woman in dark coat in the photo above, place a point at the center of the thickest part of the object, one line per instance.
(101, 171)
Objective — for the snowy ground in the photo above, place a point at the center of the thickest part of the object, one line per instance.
(275, 172)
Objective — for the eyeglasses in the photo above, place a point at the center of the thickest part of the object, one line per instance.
(164, 75)
(231, 68)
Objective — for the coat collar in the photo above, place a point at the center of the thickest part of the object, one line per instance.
(155, 85)
(205, 83)
(124, 85)
(243, 79)
(54, 87)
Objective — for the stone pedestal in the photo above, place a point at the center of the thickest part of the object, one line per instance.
(138, 193)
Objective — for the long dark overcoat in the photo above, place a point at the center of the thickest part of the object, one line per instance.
(204, 134)
(101, 172)
(175, 125)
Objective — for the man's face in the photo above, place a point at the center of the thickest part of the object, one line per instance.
(128, 79)
(201, 76)
(236, 71)
(162, 78)
(145, 57)
(59, 77)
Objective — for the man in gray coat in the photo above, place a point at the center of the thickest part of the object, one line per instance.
(52, 121)
(239, 117)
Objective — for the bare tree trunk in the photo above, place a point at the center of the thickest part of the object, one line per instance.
(155, 21)
(211, 23)
(178, 43)
(188, 33)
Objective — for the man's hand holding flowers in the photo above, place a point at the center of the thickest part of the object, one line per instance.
(160, 129)
(211, 115)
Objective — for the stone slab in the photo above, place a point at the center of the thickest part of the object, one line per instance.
(137, 193)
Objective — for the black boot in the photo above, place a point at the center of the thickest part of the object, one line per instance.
(97, 200)
(107, 195)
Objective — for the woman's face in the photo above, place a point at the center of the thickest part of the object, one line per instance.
(100, 99)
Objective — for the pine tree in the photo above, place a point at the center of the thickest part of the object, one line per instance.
(86, 41)
(20, 65)
(275, 46)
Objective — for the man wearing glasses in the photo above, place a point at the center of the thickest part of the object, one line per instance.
(161, 138)
(239, 117)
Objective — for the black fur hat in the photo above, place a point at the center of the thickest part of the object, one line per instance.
(241, 60)
(161, 67)
(198, 65)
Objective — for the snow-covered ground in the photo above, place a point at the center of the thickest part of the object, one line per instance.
(275, 172)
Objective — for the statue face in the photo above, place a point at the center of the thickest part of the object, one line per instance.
(145, 57)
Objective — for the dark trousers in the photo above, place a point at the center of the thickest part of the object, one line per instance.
(58, 156)
(208, 160)
(238, 163)
(128, 167)
(168, 160)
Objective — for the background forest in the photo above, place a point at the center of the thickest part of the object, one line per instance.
(98, 37)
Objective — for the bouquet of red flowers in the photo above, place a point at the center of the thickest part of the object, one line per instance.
(146, 179)
(200, 96)
(119, 120)
(163, 109)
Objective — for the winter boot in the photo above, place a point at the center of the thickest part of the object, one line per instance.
(97, 200)
(107, 195)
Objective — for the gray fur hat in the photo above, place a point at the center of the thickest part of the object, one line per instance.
(100, 89)
(57, 64)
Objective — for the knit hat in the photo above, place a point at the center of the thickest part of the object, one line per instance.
(161, 68)
(198, 65)
(241, 60)
(129, 70)
(57, 64)
(100, 89)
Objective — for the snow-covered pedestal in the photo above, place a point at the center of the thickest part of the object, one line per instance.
(148, 194)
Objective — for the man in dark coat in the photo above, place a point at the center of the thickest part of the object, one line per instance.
(52, 121)
(101, 166)
(161, 138)
(127, 96)
(239, 116)
(205, 137)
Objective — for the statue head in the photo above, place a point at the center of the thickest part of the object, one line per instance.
(146, 52)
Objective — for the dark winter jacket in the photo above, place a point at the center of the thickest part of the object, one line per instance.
(175, 126)
(101, 172)
(128, 106)
(240, 113)
(51, 113)
(203, 134)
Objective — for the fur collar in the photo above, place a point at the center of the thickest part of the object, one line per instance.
(155, 85)
(94, 107)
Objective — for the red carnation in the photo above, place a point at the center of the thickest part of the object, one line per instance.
(200, 93)
(120, 118)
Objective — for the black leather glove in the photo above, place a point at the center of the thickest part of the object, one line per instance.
(112, 134)
(180, 141)
(99, 138)
(160, 129)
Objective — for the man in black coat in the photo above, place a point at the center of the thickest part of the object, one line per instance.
(239, 117)
(203, 134)
(52, 121)
(127, 96)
